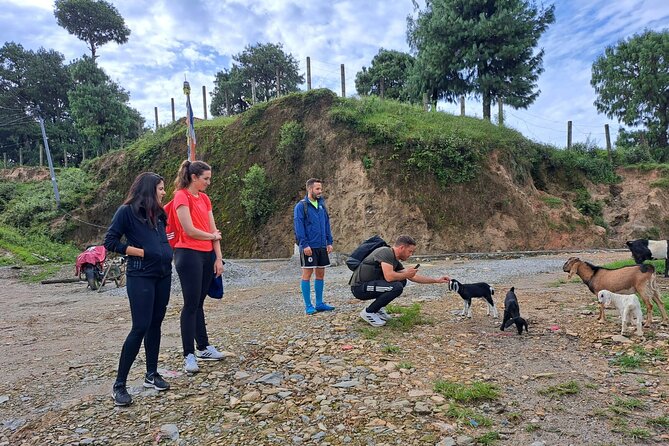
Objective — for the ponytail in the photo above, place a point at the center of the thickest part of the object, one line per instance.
(187, 169)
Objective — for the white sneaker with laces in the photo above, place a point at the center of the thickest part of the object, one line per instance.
(372, 319)
(383, 314)
(209, 354)
(190, 364)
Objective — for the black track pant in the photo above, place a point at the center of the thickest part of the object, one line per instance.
(148, 297)
(383, 292)
(196, 271)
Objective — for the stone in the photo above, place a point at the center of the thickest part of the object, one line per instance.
(171, 431)
(274, 378)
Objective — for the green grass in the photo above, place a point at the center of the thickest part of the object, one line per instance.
(487, 438)
(624, 406)
(408, 317)
(369, 332)
(465, 414)
(638, 357)
(662, 421)
(532, 427)
(404, 365)
(658, 264)
(28, 248)
(553, 202)
(662, 183)
(558, 390)
(391, 349)
(477, 391)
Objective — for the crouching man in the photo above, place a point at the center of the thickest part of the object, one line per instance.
(382, 277)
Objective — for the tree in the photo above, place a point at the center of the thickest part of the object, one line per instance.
(631, 80)
(33, 84)
(389, 68)
(260, 63)
(484, 48)
(229, 87)
(99, 107)
(96, 22)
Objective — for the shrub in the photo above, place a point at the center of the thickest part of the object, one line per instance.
(291, 143)
(256, 195)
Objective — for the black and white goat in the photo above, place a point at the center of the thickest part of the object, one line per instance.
(643, 250)
(473, 290)
(512, 313)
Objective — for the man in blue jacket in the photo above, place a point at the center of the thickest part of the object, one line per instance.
(312, 234)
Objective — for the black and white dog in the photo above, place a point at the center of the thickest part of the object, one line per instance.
(512, 313)
(472, 290)
(643, 250)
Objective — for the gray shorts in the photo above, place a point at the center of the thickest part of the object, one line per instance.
(319, 258)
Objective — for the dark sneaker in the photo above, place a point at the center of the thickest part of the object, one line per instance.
(121, 396)
(155, 381)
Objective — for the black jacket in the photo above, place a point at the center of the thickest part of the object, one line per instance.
(139, 232)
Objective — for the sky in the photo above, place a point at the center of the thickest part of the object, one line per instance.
(194, 39)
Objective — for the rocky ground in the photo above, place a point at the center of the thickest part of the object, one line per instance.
(331, 379)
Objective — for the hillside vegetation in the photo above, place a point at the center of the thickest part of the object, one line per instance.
(454, 183)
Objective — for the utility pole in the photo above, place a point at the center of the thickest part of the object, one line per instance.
(48, 157)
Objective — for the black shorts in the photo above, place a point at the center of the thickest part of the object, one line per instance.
(319, 258)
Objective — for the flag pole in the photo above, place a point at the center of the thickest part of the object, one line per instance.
(190, 124)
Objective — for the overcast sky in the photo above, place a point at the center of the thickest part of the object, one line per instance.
(174, 39)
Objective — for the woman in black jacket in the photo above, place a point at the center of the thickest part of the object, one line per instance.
(141, 219)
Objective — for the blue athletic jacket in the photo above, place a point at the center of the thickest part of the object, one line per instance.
(314, 232)
(157, 260)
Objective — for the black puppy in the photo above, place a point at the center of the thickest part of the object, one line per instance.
(512, 313)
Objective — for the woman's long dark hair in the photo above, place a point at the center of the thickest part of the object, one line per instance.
(187, 169)
(143, 197)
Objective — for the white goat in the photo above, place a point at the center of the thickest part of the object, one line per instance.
(628, 306)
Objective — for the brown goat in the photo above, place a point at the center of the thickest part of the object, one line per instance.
(626, 280)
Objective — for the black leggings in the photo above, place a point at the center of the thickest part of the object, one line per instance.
(196, 271)
(148, 297)
(384, 292)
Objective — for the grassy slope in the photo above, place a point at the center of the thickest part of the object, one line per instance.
(428, 152)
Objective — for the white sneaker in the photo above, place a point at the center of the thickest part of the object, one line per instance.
(383, 314)
(190, 364)
(209, 354)
(372, 319)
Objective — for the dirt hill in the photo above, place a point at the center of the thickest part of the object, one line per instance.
(371, 189)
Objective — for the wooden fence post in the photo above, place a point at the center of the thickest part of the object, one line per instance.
(381, 88)
(308, 73)
(568, 134)
(425, 101)
(278, 83)
(174, 118)
(65, 158)
(20, 156)
(41, 155)
(155, 110)
(343, 82)
(204, 101)
(462, 105)
(253, 91)
(500, 113)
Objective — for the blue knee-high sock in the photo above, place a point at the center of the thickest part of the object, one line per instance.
(306, 293)
(319, 284)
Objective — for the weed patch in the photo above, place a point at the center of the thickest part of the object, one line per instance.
(467, 393)
(558, 390)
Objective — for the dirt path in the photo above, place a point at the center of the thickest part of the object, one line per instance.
(332, 379)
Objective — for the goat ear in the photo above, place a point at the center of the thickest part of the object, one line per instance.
(572, 271)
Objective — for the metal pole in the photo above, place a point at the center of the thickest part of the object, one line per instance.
(308, 73)
(155, 110)
(48, 158)
(569, 134)
(174, 118)
(343, 82)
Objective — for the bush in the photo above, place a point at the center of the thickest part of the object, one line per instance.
(291, 143)
(256, 195)
(589, 207)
